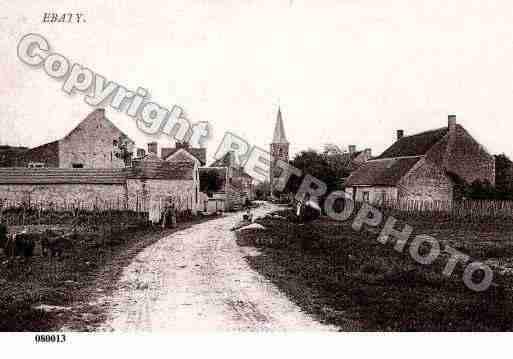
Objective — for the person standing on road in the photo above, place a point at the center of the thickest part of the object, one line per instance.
(172, 210)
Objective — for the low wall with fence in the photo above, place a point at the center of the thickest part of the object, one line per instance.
(62, 193)
(461, 210)
(88, 189)
(103, 218)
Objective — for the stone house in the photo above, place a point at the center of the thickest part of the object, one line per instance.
(94, 143)
(11, 156)
(347, 162)
(429, 166)
(236, 185)
(87, 166)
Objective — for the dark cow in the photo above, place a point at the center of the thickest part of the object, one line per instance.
(20, 245)
(55, 245)
(3, 235)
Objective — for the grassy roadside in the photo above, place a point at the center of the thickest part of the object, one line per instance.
(66, 288)
(348, 279)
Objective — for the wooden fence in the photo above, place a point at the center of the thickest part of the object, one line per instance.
(465, 209)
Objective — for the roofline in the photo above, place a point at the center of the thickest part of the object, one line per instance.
(423, 132)
(77, 182)
(394, 158)
(105, 117)
(372, 185)
(186, 152)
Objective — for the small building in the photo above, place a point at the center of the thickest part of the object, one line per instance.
(154, 181)
(94, 143)
(235, 185)
(429, 166)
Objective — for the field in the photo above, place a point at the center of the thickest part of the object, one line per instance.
(348, 278)
(43, 294)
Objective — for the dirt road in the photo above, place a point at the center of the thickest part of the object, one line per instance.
(197, 279)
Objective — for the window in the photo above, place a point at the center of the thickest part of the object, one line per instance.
(365, 196)
(78, 165)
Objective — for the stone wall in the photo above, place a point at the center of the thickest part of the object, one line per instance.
(279, 151)
(426, 181)
(92, 144)
(63, 193)
(151, 194)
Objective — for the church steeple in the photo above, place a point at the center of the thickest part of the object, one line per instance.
(279, 130)
(279, 150)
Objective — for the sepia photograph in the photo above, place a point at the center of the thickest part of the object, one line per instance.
(329, 174)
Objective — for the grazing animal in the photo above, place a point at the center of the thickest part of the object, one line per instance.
(20, 245)
(3, 235)
(55, 245)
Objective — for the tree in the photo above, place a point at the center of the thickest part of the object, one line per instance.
(338, 159)
(504, 175)
(210, 181)
(122, 150)
(312, 163)
(262, 190)
(481, 190)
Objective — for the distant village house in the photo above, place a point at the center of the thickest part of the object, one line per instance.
(429, 166)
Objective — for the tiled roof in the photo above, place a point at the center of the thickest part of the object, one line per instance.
(384, 172)
(20, 175)
(415, 145)
(199, 153)
(47, 153)
(397, 160)
(150, 157)
(153, 167)
(452, 151)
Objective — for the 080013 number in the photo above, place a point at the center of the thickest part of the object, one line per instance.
(50, 338)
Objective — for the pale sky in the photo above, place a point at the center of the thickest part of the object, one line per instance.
(345, 72)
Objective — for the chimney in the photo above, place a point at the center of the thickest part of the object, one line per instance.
(352, 149)
(451, 123)
(400, 134)
(180, 144)
(152, 147)
(368, 153)
(140, 152)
